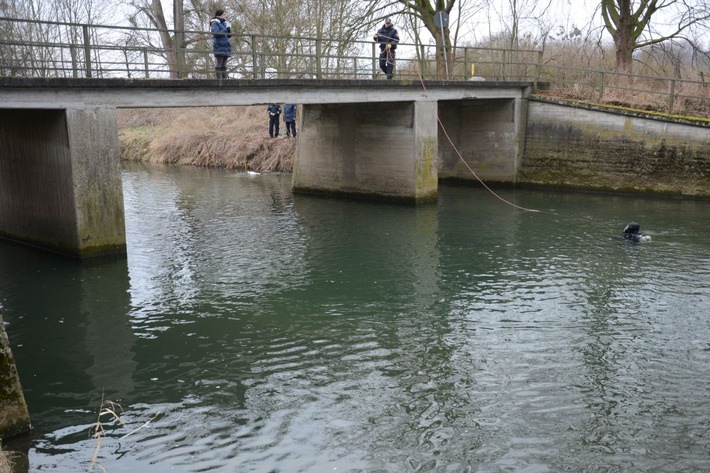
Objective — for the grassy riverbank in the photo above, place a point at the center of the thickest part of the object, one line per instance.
(225, 137)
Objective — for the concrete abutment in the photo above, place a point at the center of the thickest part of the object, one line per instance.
(489, 135)
(60, 180)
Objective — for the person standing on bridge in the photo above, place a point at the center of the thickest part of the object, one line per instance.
(290, 119)
(274, 111)
(388, 38)
(222, 47)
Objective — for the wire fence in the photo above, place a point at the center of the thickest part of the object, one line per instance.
(32, 48)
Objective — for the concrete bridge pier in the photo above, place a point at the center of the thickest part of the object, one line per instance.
(378, 150)
(60, 182)
(489, 134)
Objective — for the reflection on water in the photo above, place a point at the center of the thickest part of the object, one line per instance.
(251, 330)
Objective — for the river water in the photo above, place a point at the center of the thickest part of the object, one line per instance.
(250, 330)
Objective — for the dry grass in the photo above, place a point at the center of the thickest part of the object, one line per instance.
(691, 101)
(226, 137)
(108, 412)
(6, 461)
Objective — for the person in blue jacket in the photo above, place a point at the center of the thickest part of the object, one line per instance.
(274, 111)
(388, 38)
(222, 47)
(290, 119)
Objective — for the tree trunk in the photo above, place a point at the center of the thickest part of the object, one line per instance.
(623, 43)
(165, 38)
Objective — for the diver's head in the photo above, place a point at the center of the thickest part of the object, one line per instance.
(632, 228)
(633, 232)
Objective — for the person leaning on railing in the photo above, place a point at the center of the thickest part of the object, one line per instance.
(388, 38)
(222, 47)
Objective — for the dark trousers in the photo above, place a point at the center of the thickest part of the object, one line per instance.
(290, 129)
(387, 63)
(220, 66)
(273, 126)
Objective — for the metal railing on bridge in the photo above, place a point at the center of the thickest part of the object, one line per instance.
(32, 48)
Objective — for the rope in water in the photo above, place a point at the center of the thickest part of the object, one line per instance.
(458, 153)
(448, 138)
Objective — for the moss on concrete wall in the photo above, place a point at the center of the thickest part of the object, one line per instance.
(14, 418)
(579, 146)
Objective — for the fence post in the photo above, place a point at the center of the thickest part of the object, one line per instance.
(538, 70)
(145, 62)
(671, 99)
(601, 85)
(87, 50)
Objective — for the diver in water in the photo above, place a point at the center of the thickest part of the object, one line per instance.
(633, 232)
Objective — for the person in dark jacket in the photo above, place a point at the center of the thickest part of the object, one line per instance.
(274, 111)
(290, 119)
(222, 47)
(388, 38)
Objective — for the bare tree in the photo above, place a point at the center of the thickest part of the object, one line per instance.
(331, 26)
(632, 24)
(149, 14)
(424, 12)
(30, 52)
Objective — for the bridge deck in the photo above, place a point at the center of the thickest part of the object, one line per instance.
(138, 93)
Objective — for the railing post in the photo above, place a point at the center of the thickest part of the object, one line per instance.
(253, 58)
(87, 50)
(375, 58)
(319, 72)
(671, 99)
(74, 61)
(465, 62)
(145, 62)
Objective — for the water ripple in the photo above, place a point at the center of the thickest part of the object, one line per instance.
(254, 331)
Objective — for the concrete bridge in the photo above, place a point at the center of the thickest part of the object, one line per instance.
(60, 184)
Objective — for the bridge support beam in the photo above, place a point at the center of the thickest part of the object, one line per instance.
(60, 182)
(373, 150)
(489, 134)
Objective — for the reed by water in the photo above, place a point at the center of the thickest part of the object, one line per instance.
(224, 137)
